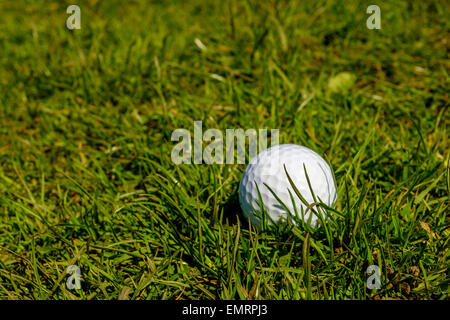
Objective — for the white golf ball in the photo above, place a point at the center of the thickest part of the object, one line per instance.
(268, 168)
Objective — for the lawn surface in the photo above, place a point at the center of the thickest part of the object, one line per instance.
(86, 176)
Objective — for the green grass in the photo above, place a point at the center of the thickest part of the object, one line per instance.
(86, 177)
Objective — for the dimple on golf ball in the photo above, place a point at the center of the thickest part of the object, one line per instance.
(268, 168)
